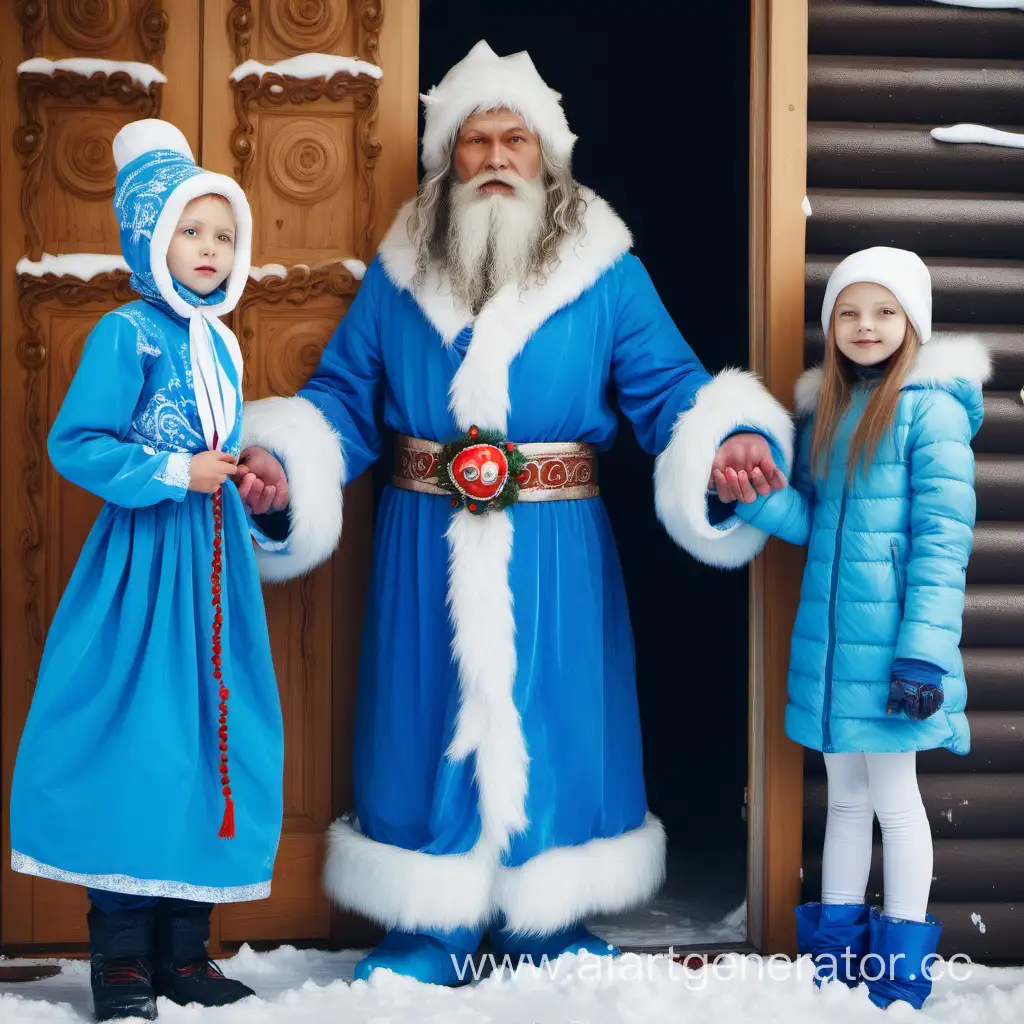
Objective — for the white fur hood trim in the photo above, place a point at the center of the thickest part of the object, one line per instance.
(942, 361)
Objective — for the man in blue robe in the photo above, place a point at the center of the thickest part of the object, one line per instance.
(498, 771)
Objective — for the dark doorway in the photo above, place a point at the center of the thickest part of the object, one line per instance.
(659, 100)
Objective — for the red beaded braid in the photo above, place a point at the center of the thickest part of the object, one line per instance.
(227, 826)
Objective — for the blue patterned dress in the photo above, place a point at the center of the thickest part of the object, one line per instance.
(117, 783)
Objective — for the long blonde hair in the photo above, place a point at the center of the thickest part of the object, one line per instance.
(834, 399)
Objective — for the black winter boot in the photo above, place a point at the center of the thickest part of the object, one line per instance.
(120, 958)
(184, 972)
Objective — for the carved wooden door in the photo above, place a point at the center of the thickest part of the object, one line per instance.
(326, 150)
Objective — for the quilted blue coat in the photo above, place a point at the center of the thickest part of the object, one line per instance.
(886, 559)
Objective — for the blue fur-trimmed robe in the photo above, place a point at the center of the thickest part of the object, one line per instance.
(498, 770)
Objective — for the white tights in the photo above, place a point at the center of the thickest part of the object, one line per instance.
(859, 787)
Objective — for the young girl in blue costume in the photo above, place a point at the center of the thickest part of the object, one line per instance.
(150, 768)
(883, 497)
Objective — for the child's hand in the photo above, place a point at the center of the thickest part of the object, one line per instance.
(210, 470)
(261, 481)
(746, 487)
(749, 456)
(918, 700)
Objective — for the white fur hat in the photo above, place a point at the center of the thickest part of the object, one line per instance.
(899, 270)
(484, 81)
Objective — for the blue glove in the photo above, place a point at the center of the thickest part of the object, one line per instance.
(918, 700)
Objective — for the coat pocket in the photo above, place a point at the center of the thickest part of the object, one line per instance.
(898, 569)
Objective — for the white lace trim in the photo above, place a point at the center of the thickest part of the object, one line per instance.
(143, 886)
(178, 471)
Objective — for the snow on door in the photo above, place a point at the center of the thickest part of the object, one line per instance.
(325, 146)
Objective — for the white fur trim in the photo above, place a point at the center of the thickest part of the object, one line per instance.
(407, 889)
(731, 400)
(205, 183)
(902, 272)
(605, 876)
(479, 393)
(434, 297)
(299, 435)
(484, 81)
(146, 135)
(955, 357)
(411, 890)
(807, 390)
(943, 361)
(484, 645)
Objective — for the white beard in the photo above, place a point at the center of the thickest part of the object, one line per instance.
(491, 239)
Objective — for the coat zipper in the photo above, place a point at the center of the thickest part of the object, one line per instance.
(896, 568)
(826, 711)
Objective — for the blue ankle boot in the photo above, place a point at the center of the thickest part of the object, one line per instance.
(836, 935)
(534, 947)
(899, 965)
(435, 958)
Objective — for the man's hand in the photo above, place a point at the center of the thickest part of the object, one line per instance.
(262, 484)
(744, 468)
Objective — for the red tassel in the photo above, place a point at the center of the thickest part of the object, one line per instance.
(227, 826)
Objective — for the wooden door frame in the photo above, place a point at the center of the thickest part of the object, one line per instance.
(778, 175)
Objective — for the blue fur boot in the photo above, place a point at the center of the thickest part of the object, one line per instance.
(436, 958)
(534, 948)
(836, 935)
(899, 966)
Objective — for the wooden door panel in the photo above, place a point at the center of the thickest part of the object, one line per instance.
(68, 120)
(107, 29)
(313, 173)
(269, 30)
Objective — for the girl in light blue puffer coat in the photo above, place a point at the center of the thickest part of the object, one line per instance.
(882, 495)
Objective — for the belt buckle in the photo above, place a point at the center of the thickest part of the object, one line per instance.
(481, 470)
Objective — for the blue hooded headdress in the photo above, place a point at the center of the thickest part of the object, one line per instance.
(157, 177)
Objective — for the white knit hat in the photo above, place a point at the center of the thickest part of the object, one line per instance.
(902, 272)
(484, 81)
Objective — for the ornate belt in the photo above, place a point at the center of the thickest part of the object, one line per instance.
(483, 470)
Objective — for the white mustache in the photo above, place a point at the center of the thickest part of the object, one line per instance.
(504, 177)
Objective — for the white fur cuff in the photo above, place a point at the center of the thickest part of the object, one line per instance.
(730, 401)
(310, 450)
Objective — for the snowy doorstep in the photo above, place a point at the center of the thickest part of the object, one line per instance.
(314, 987)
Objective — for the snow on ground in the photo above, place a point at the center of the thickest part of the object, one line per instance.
(314, 987)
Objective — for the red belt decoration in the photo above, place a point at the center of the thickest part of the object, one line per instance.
(483, 470)
(227, 825)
